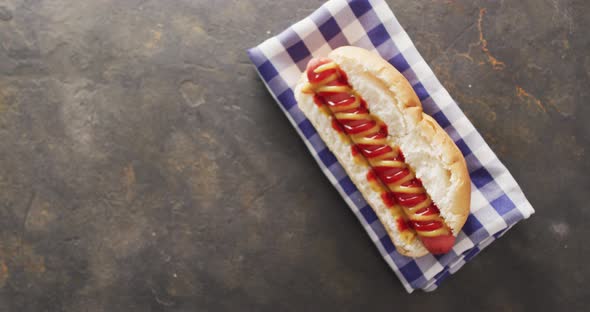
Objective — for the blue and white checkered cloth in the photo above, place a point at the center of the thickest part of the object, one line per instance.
(497, 202)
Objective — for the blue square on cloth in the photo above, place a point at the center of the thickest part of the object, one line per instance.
(347, 185)
(287, 98)
(329, 29)
(481, 177)
(387, 244)
(400, 63)
(307, 128)
(298, 51)
(327, 157)
(268, 71)
(378, 35)
(463, 147)
(503, 204)
(420, 91)
(411, 271)
(472, 226)
(369, 214)
(360, 7)
(442, 119)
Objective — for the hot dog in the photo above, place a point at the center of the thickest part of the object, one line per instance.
(405, 165)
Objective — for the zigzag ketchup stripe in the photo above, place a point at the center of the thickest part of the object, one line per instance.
(389, 172)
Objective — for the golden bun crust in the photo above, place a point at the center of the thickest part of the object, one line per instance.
(456, 162)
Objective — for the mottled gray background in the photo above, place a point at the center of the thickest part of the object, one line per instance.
(144, 167)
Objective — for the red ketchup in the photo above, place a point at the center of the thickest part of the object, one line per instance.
(402, 224)
(352, 117)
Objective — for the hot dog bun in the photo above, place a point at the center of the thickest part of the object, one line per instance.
(427, 148)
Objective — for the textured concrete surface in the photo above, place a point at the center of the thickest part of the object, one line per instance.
(144, 167)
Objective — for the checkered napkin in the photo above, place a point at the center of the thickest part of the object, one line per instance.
(497, 203)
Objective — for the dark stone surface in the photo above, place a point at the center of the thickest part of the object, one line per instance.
(144, 167)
